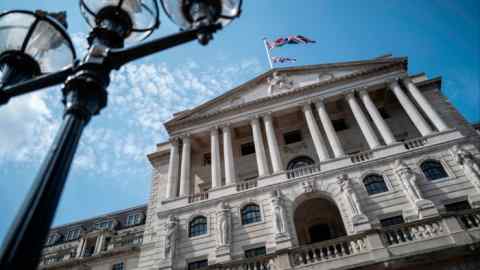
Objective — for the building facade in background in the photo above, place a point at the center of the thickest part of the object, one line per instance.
(334, 166)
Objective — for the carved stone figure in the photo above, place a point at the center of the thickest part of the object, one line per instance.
(170, 236)
(349, 194)
(470, 166)
(409, 181)
(223, 225)
(308, 186)
(278, 81)
(279, 215)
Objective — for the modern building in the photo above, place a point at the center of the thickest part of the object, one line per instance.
(354, 165)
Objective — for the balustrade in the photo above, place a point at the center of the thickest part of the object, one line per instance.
(470, 219)
(256, 263)
(247, 185)
(362, 156)
(414, 143)
(303, 171)
(327, 250)
(198, 197)
(409, 232)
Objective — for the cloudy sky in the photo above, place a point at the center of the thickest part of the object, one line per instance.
(111, 172)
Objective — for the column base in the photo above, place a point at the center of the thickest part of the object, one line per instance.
(282, 241)
(426, 209)
(223, 254)
(360, 223)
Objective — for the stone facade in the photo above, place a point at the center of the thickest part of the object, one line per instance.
(334, 166)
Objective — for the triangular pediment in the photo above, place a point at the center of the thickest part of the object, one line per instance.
(281, 80)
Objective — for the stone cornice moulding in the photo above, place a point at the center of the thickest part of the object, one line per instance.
(356, 75)
(320, 175)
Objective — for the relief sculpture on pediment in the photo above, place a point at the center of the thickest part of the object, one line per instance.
(279, 82)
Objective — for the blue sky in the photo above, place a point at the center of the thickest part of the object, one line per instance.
(111, 172)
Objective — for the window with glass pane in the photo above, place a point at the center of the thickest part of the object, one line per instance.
(197, 226)
(458, 206)
(251, 214)
(247, 148)
(392, 221)
(105, 224)
(134, 219)
(254, 252)
(292, 137)
(52, 239)
(118, 266)
(72, 234)
(198, 265)
(433, 170)
(374, 184)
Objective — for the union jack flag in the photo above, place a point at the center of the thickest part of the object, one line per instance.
(281, 59)
(296, 39)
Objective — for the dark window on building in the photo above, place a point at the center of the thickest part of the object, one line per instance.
(254, 252)
(374, 184)
(207, 159)
(52, 239)
(247, 148)
(198, 265)
(292, 136)
(433, 170)
(197, 226)
(458, 206)
(383, 113)
(392, 221)
(251, 214)
(134, 219)
(299, 162)
(118, 266)
(108, 224)
(72, 235)
(339, 124)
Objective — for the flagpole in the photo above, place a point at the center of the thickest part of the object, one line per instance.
(268, 53)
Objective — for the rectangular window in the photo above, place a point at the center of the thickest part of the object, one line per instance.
(51, 239)
(292, 136)
(118, 266)
(383, 113)
(134, 219)
(339, 124)
(392, 221)
(72, 235)
(254, 252)
(247, 148)
(458, 206)
(207, 159)
(197, 265)
(104, 225)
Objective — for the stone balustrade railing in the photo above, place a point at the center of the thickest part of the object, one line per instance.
(133, 239)
(469, 219)
(416, 231)
(327, 250)
(414, 143)
(247, 185)
(198, 197)
(362, 156)
(256, 263)
(303, 171)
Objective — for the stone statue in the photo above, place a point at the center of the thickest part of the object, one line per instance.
(223, 225)
(349, 194)
(279, 215)
(409, 181)
(470, 166)
(278, 81)
(308, 186)
(170, 236)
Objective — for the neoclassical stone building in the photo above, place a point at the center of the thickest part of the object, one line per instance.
(355, 165)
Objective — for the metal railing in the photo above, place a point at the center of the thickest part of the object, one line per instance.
(303, 171)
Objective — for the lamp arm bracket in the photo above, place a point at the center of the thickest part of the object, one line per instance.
(119, 57)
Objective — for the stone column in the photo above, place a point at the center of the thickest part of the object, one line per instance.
(215, 162)
(272, 144)
(362, 121)
(259, 147)
(185, 166)
(99, 244)
(425, 105)
(172, 179)
(410, 109)
(377, 117)
(329, 130)
(317, 137)
(230, 175)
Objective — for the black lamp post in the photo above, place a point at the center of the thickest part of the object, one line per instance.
(32, 56)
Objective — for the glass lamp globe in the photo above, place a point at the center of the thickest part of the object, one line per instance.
(36, 39)
(190, 14)
(138, 17)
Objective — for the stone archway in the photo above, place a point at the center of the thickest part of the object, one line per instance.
(317, 219)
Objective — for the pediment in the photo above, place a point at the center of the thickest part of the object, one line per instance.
(279, 81)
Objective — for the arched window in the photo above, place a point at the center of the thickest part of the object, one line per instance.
(374, 184)
(299, 162)
(433, 170)
(251, 214)
(197, 226)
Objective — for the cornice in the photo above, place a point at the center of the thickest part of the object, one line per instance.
(298, 91)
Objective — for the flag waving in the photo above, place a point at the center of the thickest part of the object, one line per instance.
(281, 59)
(282, 41)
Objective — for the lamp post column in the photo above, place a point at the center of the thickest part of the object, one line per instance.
(259, 147)
(230, 175)
(185, 166)
(410, 109)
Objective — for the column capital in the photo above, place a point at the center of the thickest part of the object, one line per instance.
(306, 106)
(253, 117)
(267, 115)
(225, 125)
(362, 90)
(349, 94)
(214, 128)
(320, 101)
(174, 140)
(185, 136)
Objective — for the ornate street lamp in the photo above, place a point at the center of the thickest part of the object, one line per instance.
(34, 48)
